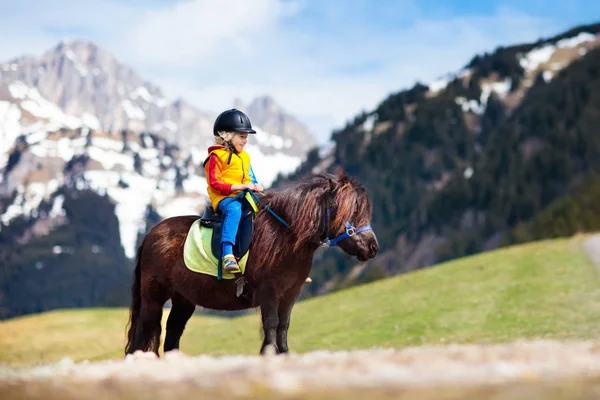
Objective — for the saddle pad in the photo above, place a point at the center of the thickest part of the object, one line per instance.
(197, 253)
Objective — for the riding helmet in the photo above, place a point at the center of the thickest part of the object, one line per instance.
(232, 121)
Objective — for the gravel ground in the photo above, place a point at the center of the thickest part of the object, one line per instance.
(519, 370)
(542, 369)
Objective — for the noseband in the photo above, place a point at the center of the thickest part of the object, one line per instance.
(350, 230)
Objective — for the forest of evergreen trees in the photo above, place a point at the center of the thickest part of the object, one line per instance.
(80, 264)
(525, 163)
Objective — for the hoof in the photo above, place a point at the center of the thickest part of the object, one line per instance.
(269, 350)
(141, 355)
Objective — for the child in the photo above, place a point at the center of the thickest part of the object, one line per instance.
(228, 171)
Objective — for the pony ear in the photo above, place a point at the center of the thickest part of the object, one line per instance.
(332, 183)
(341, 176)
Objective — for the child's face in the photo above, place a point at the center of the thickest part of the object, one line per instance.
(239, 140)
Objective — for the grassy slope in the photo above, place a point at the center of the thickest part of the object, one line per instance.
(547, 289)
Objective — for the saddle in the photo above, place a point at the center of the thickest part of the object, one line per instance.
(214, 220)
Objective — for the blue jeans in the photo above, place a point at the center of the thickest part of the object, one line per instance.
(232, 213)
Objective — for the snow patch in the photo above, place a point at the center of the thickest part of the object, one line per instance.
(130, 208)
(18, 90)
(369, 122)
(110, 159)
(91, 121)
(33, 102)
(180, 206)
(195, 184)
(469, 105)
(266, 139)
(170, 125)
(76, 63)
(133, 111)
(9, 67)
(438, 85)
(468, 173)
(532, 60)
(576, 41)
(27, 201)
(501, 88)
(148, 142)
(161, 103)
(262, 164)
(57, 207)
(108, 144)
(143, 93)
(62, 148)
(10, 128)
(198, 155)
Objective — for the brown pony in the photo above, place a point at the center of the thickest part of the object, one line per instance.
(280, 258)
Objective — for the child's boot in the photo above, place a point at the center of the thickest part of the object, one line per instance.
(230, 264)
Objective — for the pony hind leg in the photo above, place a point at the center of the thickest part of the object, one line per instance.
(147, 333)
(181, 311)
(145, 314)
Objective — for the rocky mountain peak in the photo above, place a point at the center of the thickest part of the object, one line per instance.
(82, 78)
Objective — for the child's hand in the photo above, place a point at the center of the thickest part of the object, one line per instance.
(255, 187)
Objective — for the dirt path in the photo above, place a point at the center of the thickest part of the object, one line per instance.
(592, 247)
(516, 370)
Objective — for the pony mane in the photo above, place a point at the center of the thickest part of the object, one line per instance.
(305, 206)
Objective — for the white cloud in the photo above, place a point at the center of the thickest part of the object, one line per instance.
(211, 52)
(201, 32)
(315, 76)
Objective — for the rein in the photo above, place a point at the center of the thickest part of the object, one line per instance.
(350, 229)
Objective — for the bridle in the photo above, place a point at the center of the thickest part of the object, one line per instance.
(350, 230)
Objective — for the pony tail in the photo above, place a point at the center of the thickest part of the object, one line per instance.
(136, 303)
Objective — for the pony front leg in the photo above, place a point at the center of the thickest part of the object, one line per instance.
(270, 319)
(284, 313)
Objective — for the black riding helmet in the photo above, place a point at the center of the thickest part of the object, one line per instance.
(232, 121)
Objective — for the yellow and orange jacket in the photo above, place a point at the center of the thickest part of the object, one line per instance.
(224, 168)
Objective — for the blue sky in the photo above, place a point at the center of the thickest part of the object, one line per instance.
(323, 61)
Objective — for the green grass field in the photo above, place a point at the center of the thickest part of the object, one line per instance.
(547, 289)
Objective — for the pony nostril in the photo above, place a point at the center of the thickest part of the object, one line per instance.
(374, 248)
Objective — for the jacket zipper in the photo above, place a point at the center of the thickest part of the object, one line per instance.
(243, 171)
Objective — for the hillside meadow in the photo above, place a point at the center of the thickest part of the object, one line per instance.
(547, 289)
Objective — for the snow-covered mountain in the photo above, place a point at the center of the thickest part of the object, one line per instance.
(76, 117)
(270, 117)
(84, 81)
(135, 171)
(542, 60)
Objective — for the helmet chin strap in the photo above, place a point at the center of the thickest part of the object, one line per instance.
(229, 146)
(232, 150)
